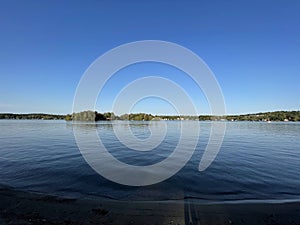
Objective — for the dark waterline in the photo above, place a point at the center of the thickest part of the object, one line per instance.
(257, 161)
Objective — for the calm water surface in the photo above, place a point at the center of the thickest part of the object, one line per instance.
(257, 161)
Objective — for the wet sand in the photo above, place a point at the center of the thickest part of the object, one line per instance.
(17, 207)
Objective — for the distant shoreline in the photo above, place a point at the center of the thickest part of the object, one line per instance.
(285, 116)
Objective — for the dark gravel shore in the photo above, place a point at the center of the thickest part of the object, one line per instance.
(17, 207)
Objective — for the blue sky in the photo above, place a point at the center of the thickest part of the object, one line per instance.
(253, 48)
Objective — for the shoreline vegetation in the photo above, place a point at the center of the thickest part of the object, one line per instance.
(89, 115)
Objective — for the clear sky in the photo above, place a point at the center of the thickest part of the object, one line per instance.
(253, 48)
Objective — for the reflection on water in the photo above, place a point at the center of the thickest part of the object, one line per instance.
(256, 161)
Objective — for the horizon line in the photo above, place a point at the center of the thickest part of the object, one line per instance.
(151, 113)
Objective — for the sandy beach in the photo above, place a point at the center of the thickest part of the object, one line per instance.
(18, 207)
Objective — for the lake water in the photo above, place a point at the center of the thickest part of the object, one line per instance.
(257, 161)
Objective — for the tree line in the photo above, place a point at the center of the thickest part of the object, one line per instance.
(32, 116)
(263, 116)
(96, 116)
